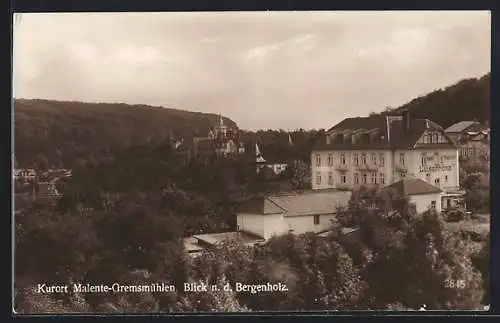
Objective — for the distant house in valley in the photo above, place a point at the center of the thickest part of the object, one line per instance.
(261, 163)
(472, 139)
(221, 141)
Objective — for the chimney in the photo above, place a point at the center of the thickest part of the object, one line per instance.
(406, 120)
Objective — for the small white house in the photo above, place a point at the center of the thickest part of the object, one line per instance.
(420, 193)
(310, 211)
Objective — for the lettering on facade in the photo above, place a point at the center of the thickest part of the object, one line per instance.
(432, 169)
(448, 157)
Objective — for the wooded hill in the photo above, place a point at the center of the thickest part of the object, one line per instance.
(51, 132)
(468, 99)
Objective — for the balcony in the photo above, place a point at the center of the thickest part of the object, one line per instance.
(342, 167)
(368, 168)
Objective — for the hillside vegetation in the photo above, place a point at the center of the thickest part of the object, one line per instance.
(53, 132)
(467, 99)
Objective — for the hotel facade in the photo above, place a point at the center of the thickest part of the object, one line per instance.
(380, 150)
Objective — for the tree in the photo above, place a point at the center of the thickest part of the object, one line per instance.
(300, 175)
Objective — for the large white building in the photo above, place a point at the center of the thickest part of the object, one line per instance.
(383, 149)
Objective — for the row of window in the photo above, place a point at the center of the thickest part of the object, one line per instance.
(374, 178)
(470, 151)
(356, 159)
(433, 138)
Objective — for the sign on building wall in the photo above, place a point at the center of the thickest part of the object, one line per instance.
(439, 163)
(433, 169)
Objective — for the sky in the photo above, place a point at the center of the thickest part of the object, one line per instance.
(264, 70)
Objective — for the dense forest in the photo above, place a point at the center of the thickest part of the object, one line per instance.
(468, 99)
(51, 133)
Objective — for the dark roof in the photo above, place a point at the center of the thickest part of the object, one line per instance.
(296, 204)
(413, 186)
(382, 134)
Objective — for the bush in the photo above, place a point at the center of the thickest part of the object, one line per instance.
(455, 215)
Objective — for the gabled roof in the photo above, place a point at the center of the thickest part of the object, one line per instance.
(461, 126)
(299, 204)
(384, 134)
(413, 186)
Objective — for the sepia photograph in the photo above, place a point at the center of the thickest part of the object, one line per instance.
(250, 162)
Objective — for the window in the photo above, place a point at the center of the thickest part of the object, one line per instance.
(470, 153)
(428, 177)
(446, 178)
(356, 159)
(382, 159)
(330, 178)
(436, 181)
(402, 158)
(382, 178)
(433, 204)
(318, 160)
(343, 178)
(436, 138)
(374, 178)
(424, 159)
(356, 178)
(342, 158)
(364, 178)
(330, 160)
(363, 158)
(316, 219)
(374, 159)
(318, 178)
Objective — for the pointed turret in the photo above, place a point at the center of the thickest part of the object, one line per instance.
(258, 155)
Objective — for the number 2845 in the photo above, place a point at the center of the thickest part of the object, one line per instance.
(451, 283)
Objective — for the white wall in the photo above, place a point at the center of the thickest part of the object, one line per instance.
(253, 223)
(324, 169)
(423, 201)
(269, 225)
(274, 224)
(448, 178)
(302, 224)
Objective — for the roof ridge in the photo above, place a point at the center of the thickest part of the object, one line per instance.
(271, 200)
